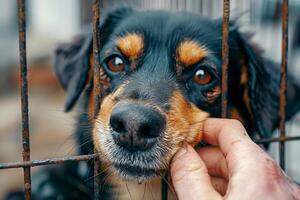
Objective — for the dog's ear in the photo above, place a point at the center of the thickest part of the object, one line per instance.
(71, 65)
(72, 61)
(259, 80)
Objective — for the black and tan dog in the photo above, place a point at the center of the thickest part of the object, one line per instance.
(162, 73)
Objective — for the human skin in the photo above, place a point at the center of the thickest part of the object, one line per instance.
(234, 167)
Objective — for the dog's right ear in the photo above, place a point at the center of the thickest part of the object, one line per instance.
(72, 61)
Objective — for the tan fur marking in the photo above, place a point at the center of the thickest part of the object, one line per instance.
(234, 114)
(244, 82)
(213, 94)
(91, 105)
(244, 71)
(247, 101)
(131, 45)
(108, 105)
(103, 117)
(190, 52)
(185, 120)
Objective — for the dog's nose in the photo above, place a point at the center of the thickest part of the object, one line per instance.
(136, 127)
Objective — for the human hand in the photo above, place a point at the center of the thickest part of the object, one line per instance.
(234, 168)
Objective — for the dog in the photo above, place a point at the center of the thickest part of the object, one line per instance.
(160, 79)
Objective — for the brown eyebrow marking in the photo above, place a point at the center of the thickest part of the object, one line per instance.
(190, 52)
(131, 45)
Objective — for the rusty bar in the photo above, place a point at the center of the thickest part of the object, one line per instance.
(96, 84)
(24, 96)
(282, 102)
(277, 139)
(225, 56)
(164, 187)
(96, 66)
(52, 161)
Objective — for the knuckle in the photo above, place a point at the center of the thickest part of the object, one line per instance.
(197, 168)
(236, 124)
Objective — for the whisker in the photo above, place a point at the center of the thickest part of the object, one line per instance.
(98, 174)
(102, 185)
(128, 190)
(144, 190)
(170, 186)
(151, 191)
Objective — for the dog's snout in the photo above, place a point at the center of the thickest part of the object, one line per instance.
(136, 127)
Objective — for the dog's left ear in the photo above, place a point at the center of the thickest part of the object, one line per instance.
(71, 65)
(72, 60)
(259, 80)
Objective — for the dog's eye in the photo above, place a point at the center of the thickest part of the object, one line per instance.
(202, 77)
(116, 64)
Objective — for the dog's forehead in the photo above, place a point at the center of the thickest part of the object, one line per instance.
(168, 29)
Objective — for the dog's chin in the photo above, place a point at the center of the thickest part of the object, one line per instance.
(136, 173)
(138, 166)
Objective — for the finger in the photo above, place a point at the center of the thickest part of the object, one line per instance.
(190, 176)
(220, 185)
(245, 159)
(215, 161)
(225, 133)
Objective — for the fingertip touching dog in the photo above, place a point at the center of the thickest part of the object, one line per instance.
(161, 73)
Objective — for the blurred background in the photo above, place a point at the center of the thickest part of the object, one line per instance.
(50, 22)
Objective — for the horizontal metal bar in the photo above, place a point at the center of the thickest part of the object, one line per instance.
(277, 139)
(51, 161)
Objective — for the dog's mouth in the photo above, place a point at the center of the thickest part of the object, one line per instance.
(138, 166)
(136, 173)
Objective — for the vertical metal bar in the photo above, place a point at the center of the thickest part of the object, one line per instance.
(96, 85)
(164, 187)
(24, 96)
(284, 15)
(225, 57)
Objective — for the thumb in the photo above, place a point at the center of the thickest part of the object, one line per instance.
(190, 176)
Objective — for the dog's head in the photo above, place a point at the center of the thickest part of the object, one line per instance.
(163, 73)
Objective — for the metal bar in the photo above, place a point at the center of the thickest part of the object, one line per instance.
(284, 10)
(277, 139)
(96, 85)
(225, 56)
(96, 43)
(164, 187)
(51, 161)
(34, 163)
(24, 96)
